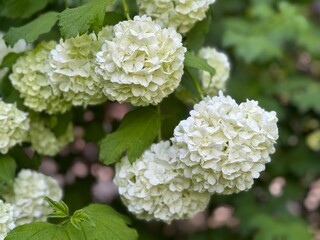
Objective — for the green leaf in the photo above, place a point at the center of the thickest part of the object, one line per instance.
(9, 60)
(197, 34)
(22, 8)
(79, 20)
(302, 92)
(7, 169)
(38, 231)
(261, 37)
(105, 224)
(287, 228)
(188, 91)
(109, 224)
(32, 30)
(23, 160)
(60, 209)
(80, 216)
(63, 121)
(112, 18)
(194, 61)
(136, 133)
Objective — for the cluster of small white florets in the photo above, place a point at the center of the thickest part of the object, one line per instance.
(7, 217)
(178, 14)
(73, 68)
(28, 196)
(153, 188)
(19, 46)
(43, 139)
(14, 125)
(219, 61)
(221, 148)
(25, 202)
(224, 146)
(30, 76)
(142, 64)
(134, 61)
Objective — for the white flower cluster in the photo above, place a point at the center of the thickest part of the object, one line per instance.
(6, 219)
(14, 125)
(30, 76)
(73, 69)
(219, 61)
(224, 146)
(29, 190)
(178, 14)
(43, 139)
(19, 46)
(135, 61)
(142, 64)
(153, 188)
(221, 148)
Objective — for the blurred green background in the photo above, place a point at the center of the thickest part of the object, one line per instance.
(274, 50)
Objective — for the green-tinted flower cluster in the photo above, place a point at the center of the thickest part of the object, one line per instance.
(28, 196)
(219, 61)
(6, 219)
(30, 76)
(43, 139)
(14, 125)
(73, 68)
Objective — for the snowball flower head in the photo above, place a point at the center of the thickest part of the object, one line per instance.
(178, 14)
(29, 190)
(73, 74)
(43, 139)
(142, 64)
(224, 146)
(219, 61)
(14, 125)
(30, 76)
(153, 187)
(6, 219)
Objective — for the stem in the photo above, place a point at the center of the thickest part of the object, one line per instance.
(159, 133)
(126, 9)
(195, 82)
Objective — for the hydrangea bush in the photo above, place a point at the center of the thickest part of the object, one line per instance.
(130, 103)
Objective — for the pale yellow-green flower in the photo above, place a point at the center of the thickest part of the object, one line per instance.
(7, 222)
(14, 125)
(178, 14)
(154, 188)
(313, 140)
(223, 146)
(73, 64)
(28, 197)
(219, 61)
(30, 76)
(142, 64)
(43, 139)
